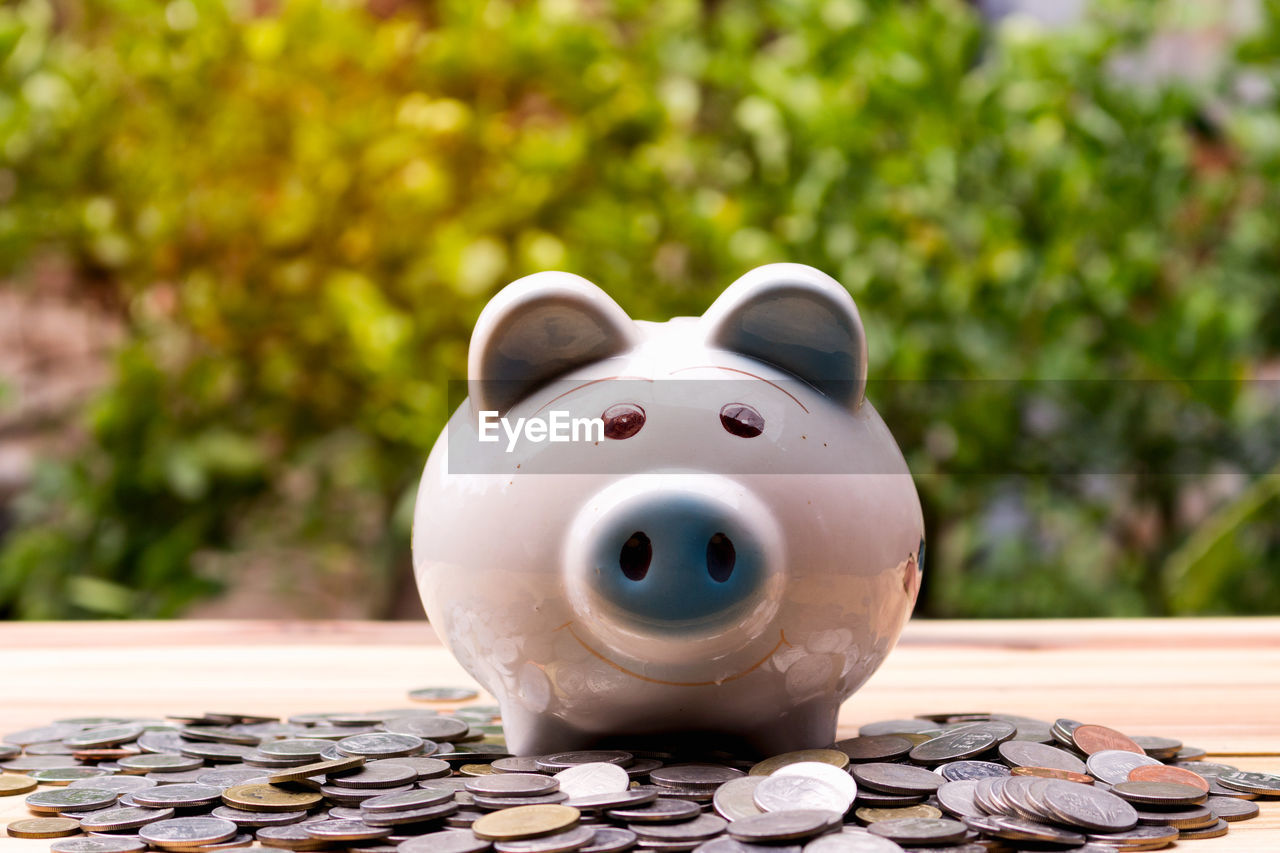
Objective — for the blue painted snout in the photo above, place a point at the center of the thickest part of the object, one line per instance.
(676, 559)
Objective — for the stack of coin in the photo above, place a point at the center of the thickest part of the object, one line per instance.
(416, 781)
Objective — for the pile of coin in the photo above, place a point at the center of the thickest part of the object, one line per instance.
(415, 780)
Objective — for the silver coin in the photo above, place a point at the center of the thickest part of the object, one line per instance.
(896, 778)
(897, 727)
(419, 815)
(242, 818)
(701, 827)
(161, 741)
(228, 777)
(735, 799)
(785, 793)
(512, 785)
(1139, 838)
(179, 796)
(381, 745)
(618, 799)
(375, 774)
(1159, 793)
(27, 763)
(956, 798)
(71, 799)
(833, 776)
(574, 838)
(1113, 765)
(305, 747)
(66, 775)
(160, 761)
(43, 734)
(661, 810)
(919, 830)
(187, 831)
(1159, 748)
(955, 745)
(216, 751)
(1021, 753)
(118, 784)
(438, 729)
(558, 761)
(344, 830)
(426, 768)
(852, 842)
(1088, 808)
(123, 817)
(52, 748)
(706, 777)
(102, 736)
(495, 803)
(355, 796)
(516, 764)
(1020, 829)
(1266, 784)
(728, 844)
(610, 839)
(447, 841)
(1208, 769)
(415, 798)
(1231, 809)
(96, 845)
(584, 780)
(960, 771)
(783, 825)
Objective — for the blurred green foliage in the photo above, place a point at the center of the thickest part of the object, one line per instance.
(299, 213)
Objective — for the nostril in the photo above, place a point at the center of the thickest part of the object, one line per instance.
(637, 551)
(720, 557)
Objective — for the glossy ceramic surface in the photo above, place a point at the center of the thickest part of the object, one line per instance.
(684, 580)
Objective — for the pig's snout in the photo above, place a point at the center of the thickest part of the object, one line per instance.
(665, 557)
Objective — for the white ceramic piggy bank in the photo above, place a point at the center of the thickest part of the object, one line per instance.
(724, 552)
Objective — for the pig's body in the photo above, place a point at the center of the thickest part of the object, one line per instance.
(686, 579)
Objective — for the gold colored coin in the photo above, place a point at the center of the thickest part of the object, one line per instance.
(11, 784)
(869, 815)
(44, 827)
(318, 768)
(834, 757)
(269, 798)
(476, 770)
(525, 822)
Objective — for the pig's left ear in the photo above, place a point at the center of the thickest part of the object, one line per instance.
(537, 328)
(798, 319)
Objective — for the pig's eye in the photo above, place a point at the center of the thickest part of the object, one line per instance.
(622, 420)
(740, 419)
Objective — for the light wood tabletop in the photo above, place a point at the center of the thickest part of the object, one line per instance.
(1213, 683)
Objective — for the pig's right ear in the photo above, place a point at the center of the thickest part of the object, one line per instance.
(537, 328)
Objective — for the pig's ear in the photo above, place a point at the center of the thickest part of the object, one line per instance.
(537, 328)
(799, 319)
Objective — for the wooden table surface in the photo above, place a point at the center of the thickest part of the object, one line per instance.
(1213, 683)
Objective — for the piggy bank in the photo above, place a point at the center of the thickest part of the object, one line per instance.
(692, 532)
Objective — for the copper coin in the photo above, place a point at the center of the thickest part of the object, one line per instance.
(1165, 773)
(1090, 739)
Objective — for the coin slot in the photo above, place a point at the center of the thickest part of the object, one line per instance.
(720, 557)
(637, 553)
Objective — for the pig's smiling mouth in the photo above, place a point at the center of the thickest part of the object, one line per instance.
(782, 641)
